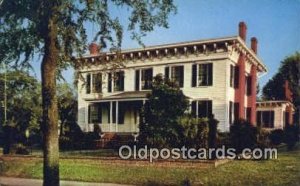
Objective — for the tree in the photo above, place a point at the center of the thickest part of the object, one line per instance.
(24, 104)
(166, 104)
(290, 71)
(56, 30)
(67, 106)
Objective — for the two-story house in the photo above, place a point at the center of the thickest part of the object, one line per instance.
(219, 76)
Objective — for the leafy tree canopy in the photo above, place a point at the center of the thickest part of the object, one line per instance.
(24, 25)
(290, 71)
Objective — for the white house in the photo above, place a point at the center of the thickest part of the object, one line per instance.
(217, 75)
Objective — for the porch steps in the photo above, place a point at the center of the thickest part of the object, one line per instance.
(114, 140)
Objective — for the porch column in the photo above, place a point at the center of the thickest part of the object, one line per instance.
(110, 116)
(117, 113)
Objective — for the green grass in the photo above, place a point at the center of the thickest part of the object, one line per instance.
(283, 171)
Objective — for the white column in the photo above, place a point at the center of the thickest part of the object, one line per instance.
(117, 113)
(110, 115)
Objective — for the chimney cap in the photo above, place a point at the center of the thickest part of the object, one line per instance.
(253, 39)
(242, 23)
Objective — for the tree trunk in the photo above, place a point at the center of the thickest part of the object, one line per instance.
(50, 114)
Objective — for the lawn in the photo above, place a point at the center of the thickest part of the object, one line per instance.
(283, 171)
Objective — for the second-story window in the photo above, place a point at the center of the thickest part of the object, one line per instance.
(116, 81)
(97, 83)
(177, 74)
(234, 76)
(248, 85)
(93, 83)
(202, 74)
(143, 79)
(119, 81)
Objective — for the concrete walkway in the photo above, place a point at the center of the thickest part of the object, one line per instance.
(9, 181)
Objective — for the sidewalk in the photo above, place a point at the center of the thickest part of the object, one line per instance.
(10, 181)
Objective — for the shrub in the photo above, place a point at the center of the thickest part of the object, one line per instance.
(291, 136)
(194, 132)
(223, 139)
(242, 135)
(276, 136)
(212, 132)
(263, 140)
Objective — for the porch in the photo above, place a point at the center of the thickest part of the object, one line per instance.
(116, 114)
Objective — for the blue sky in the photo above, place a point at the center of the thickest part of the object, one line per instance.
(275, 23)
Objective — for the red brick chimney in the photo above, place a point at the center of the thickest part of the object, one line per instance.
(94, 49)
(243, 30)
(254, 44)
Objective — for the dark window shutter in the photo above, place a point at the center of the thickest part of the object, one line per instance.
(194, 109)
(181, 76)
(210, 74)
(209, 109)
(236, 76)
(194, 75)
(114, 112)
(89, 114)
(236, 111)
(167, 74)
(231, 75)
(88, 83)
(122, 76)
(137, 80)
(249, 85)
(109, 86)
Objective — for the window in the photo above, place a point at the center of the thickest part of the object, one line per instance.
(88, 83)
(94, 113)
(144, 79)
(119, 81)
(265, 119)
(202, 74)
(234, 76)
(116, 81)
(177, 74)
(97, 83)
(248, 85)
(202, 109)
